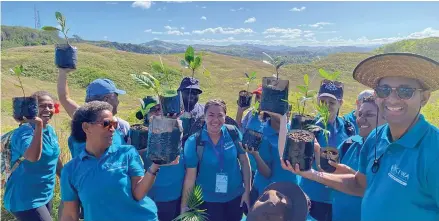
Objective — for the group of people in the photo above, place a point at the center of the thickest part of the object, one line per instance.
(387, 152)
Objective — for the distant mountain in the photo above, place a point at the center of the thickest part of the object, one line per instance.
(427, 47)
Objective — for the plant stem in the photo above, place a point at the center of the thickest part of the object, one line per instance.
(21, 85)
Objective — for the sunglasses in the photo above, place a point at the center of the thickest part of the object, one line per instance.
(107, 123)
(403, 92)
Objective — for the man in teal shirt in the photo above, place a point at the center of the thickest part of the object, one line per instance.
(397, 177)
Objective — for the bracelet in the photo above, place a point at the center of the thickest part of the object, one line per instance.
(155, 174)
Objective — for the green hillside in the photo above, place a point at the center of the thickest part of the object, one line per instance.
(428, 47)
(12, 36)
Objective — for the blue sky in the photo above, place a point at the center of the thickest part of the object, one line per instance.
(223, 23)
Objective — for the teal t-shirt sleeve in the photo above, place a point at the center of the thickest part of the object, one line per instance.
(23, 139)
(433, 182)
(240, 150)
(68, 192)
(190, 153)
(135, 165)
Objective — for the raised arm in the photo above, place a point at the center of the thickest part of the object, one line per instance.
(63, 93)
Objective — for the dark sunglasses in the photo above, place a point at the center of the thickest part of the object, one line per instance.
(403, 92)
(107, 123)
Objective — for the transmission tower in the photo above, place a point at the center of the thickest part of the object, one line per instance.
(37, 18)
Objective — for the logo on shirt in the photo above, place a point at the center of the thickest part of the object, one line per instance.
(228, 145)
(398, 175)
(114, 166)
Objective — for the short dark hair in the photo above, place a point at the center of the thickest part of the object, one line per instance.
(89, 112)
(37, 95)
(215, 102)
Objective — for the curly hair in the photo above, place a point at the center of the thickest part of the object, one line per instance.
(89, 112)
(215, 102)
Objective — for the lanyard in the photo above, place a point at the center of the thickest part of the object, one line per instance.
(219, 154)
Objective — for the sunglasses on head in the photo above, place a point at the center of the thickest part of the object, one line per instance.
(403, 92)
(336, 83)
(107, 123)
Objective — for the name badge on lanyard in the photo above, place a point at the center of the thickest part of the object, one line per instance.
(221, 178)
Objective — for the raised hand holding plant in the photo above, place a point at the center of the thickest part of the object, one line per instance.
(23, 107)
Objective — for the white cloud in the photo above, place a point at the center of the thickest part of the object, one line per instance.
(177, 32)
(182, 28)
(221, 30)
(250, 20)
(157, 33)
(235, 10)
(295, 9)
(148, 31)
(111, 3)
(203, 18)
(141, 4)
(320, 24)
(203, 7)
(167, 27)
(270, 36)
(277, 30)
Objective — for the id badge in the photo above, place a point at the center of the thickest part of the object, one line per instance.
(221, 183)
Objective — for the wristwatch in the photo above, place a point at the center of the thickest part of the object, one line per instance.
(155, 174)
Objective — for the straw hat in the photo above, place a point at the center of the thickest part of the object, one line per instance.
(424, 69)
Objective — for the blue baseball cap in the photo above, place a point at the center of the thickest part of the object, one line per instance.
(102, 86)
(190, 83)
(331, 89)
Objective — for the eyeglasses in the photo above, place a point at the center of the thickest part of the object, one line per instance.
(403, 92)
(107, 123)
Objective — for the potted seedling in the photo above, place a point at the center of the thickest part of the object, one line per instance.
(326, 153)
(300, 120)
(170, 99)
(274, 90)
(193, 63)
(299, 149)
(194, 201)
(245, 96)
(164, 134)
(252, 137)
(23, 107)
(139, 132)
(65, 54)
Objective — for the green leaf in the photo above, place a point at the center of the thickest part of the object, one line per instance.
(156, 82)
(246, 75)
(268, 57)
(58, 16)
(50, 28)
(253, 75)
(67, 31)
(189, 55)
(306, 79)
(302, 88)
(312, 93)
(280, 65)
(197, 62)
(142, 80)
(324, 74)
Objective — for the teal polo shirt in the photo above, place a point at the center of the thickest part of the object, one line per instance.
(406, 186)
(316, 191)
(32, 184)
(168, 184)
(104, 185)
(347, 207)
(255, 124)
(76, 147)
(227, 153)
(269, 136)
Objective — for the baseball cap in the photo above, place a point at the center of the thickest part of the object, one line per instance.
(190, 83)
(281, 201)
(331, 89)
(258, 91)
(102, 86)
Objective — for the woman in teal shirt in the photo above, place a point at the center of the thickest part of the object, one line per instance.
(29, 190)
(225, 184)
(122, 195)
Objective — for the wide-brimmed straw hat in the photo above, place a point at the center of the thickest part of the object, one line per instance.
(424, 69)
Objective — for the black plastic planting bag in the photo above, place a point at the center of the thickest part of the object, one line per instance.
(172, 104)
(24, 107)
(299, 149)
(274, 91)
(245, 99)
(326, 154)
(139, 136)
(65, 56)
(164, 140)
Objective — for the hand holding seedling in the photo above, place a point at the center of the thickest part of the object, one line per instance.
(251, 150)
(175, 115)
(175, 162)
(341, 168)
